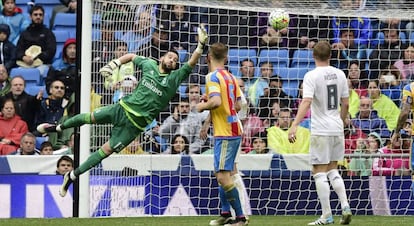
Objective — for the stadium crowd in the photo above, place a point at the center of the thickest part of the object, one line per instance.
(376, 55)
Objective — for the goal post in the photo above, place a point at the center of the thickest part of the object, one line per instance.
(130, 184)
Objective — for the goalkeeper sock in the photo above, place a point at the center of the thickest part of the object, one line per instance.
(323, 191)
(232, 196)
(241, 188)
(92, 161)
(225, 205)
(76, 121)
(338, 186)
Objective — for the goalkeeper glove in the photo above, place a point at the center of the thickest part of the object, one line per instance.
(202, 38)
(107, 70)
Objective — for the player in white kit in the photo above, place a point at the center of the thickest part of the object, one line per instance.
(325, 92)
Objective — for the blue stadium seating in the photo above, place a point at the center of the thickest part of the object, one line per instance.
(303, 58)
(48, 5)
(66, 21)
(381, 36)
(291, 73)
(291, 87)
(278, 57)
(61, 37)
(182, 55)
(39, 141)
(30, 75)
(34, 90)
(412, 37)
(235, 56)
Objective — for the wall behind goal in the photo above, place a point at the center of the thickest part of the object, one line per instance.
(184, 185)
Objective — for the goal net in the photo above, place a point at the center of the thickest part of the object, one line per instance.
(372, 41)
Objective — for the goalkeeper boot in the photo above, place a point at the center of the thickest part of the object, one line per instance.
(323, 221)
(346, 215)
(240, 221)
(67, 181)
(48, 128)
(222, 220)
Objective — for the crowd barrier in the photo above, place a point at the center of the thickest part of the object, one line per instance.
(185, 185)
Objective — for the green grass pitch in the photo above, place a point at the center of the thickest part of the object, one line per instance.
(203, 221)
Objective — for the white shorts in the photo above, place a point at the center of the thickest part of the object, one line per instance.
(325, 149)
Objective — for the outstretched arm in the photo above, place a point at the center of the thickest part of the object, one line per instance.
(202, 40)
(108, 69)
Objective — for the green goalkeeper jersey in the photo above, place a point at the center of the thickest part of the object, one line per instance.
(154, 91)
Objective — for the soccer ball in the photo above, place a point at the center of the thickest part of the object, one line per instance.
(279, 19)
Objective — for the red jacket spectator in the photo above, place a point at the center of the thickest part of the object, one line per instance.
(12, 127)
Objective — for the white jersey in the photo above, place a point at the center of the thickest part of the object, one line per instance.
(326, 86)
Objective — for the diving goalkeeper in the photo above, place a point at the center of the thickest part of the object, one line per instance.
(133, 112)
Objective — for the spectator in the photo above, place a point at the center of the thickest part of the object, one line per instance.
(260, 86)
(368, 121)
(361, 166)
(13, 16)
(12, 127)
(400, 166)
(151, 140)
(141, 33)
(25, 105)
(54, 106)
(259, 144)
(352, 134)
(311, 29)
(354, 100)
(347, 50)
(46, 148)
(64, 165)
(247, 74)
(406, 64)
(7, 48)
(27, 145)
(357, 75)
(390, 84)
(278, 136)
(276, 94)
(359, 24)
(67, 6)
(387, 53)
(385, 107)
(181, 28)
(4, 81)
(37, 44)
(159, 42)
(179, 145)
(64, 69)
(183, 122)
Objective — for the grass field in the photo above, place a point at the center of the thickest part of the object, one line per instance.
(203, 221)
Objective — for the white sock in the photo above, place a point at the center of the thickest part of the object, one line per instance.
(338, 186)
(72, 175)
(323, 190)
(241, 188)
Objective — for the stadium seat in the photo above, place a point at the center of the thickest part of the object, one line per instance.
(48, 5)
(61, 37)
(412, 38)
(303, 58)
(291, 73)
(66, 21)
(34, 90)
(30, 75)
(39, 141)
(181, 90)
(291, 87)
(236, 56)
(381, 36)
(278, 57)
(182, 55)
